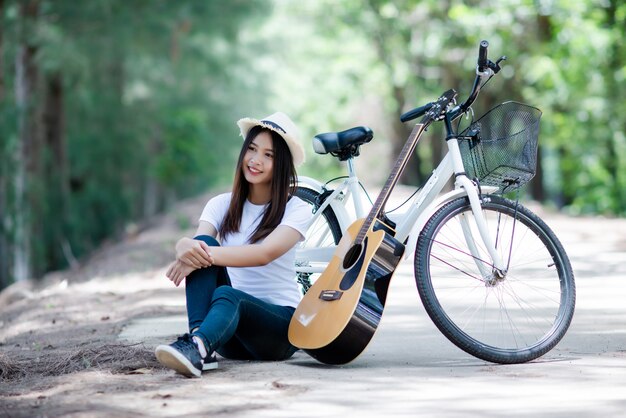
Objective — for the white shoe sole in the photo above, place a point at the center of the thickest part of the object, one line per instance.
(173, 359)
(209, 366)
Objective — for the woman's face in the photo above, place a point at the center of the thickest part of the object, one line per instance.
(258, 161)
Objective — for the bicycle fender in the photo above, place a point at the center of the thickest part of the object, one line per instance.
(342, 215)
(311, 183)
(430, 211)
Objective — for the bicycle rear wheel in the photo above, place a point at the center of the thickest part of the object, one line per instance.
(324, 232)
(510, 319)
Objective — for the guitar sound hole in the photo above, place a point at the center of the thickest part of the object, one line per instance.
(352, 256)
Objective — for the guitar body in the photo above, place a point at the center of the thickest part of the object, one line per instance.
(339, 314)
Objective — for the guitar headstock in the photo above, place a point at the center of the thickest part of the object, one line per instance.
(438, 110)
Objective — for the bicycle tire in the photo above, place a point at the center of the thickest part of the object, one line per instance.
(507, 320)
(325, 231)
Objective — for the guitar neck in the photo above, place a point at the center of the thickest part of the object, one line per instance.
(396, 171)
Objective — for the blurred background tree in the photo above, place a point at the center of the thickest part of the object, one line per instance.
(111, 111)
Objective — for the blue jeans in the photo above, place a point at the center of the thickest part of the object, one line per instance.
(233, 323)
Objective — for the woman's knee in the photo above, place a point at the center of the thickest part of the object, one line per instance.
(209, 240)
(226, 292)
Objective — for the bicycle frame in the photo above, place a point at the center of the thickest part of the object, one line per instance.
(491, 274)
(421, 208)
(348, 190)
(426, 201)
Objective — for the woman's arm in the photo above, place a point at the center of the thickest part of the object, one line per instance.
(193, 252)
(281, 240)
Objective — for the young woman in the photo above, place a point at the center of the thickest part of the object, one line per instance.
(241, 294)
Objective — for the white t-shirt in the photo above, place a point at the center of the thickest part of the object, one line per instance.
(275, 282)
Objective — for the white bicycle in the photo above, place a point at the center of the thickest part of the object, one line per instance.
(491, 274)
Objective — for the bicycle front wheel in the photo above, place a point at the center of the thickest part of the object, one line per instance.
(324, 232)
(506, 318)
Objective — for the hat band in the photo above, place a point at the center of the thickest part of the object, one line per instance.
(274, 125)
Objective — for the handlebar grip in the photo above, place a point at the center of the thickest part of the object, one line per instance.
(482, 56)
(416, 113)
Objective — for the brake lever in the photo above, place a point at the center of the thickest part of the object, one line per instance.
(495, 66)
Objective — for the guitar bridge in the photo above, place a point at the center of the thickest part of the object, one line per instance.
(330, 295)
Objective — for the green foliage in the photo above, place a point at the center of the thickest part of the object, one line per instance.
(150, 91)
(181, 156)
(367, 61)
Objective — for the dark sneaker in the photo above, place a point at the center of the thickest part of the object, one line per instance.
(182, 356)
(210, 363)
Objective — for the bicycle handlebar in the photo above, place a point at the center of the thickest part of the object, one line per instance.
(416, 113)
(485, 69)
(482, 56)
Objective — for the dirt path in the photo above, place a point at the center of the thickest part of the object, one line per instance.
(81, 344)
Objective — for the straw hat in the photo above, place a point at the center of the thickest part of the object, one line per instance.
(281, 124)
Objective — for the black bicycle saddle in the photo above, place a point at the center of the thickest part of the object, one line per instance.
(344, 144)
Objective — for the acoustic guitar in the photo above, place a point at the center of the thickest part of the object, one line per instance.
(337, 317)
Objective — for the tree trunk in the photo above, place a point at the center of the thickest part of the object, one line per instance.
(57, 189)
(536, 185)
(563, 198)
(411, 174)
(615, 97)
(1, 52)
(28, 150)
(4, 241)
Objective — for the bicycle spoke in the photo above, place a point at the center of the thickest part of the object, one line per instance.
(511, 317)
(323, 234)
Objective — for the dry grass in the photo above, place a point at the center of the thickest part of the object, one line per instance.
(117, 358)
(10, 370)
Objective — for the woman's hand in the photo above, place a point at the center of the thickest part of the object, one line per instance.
(178, 271)
(194, 253)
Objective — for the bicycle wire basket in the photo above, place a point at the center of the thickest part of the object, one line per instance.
(500, 148)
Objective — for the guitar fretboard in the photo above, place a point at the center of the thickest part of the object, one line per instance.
(397, 170)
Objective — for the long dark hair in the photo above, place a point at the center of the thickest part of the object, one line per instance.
(283, 187)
